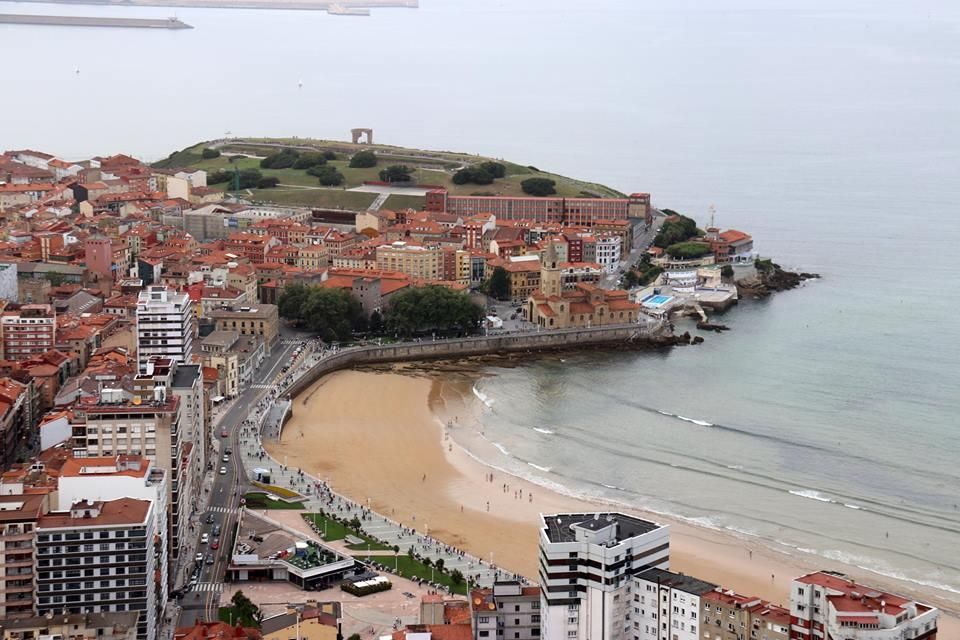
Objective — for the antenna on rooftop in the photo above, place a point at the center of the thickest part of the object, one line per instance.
(713, 212)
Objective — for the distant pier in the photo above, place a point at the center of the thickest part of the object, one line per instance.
(92, 21)
(334, 7)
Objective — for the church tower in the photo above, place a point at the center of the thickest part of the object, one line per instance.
(550, 281)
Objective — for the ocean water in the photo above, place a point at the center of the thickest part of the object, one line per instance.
(827, 420)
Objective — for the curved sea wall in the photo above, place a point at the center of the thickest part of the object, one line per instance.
(628, 336)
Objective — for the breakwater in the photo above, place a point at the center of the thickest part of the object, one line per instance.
(622, 336)
(334, 7)
(94, 21)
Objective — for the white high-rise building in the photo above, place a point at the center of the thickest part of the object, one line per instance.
(102, 556)
(587, 565)
(166, 326)
(666, 605)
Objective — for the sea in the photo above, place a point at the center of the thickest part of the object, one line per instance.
(826, 420)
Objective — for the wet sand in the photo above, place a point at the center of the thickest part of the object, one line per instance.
(380, 437)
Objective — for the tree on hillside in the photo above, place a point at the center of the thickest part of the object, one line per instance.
(282, 160)
(328, 175)
(539, 186)
(268, 183)
(396, 173)
(249, 178)
(328, 155)
(210, 154)
(219, 177)
(677, 229)
(363, 160)
(307, 160)
(726, 272)
(498, 286)
(432, 309)
(495, 169)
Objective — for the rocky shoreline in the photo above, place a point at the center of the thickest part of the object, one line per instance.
(771, 277)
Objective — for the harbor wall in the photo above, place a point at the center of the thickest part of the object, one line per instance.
(632, 335)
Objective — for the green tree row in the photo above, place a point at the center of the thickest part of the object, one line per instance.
(483, 173)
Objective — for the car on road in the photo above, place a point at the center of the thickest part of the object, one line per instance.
(215, 544)
(209, 558)
(223, 471)
(223, 433)
(210, 518)
(216, 531)
(205, 538)
(226, 458)
(199, 558)
(228, 451)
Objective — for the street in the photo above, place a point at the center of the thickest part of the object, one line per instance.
(222, 493)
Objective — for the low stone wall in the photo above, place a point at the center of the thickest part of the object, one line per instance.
(560, 339)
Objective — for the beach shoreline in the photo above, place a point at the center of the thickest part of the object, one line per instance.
(382, 438)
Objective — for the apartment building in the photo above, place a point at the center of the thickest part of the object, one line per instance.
(18, 519)
(609, 252)
(28, 330)
(120, 476)
(16, 417)
(102, 556)
(507, 611)
(150, 424)
(828, 604)
(75, 626)
(416, 261)
(166, 325)
(261, 320)
(587, 565)
(666, 605)
(727, 615)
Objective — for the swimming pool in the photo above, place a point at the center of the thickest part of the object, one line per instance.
(656, 300)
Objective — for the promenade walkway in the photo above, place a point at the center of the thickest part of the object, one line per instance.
(265, 422)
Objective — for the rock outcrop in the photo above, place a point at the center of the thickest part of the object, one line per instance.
(770, 277)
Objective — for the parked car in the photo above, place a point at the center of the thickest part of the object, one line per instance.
(216, 530)
(209, 558)
(223, 433)
(199, 557)
(226, 458)
(205, 538)
(223, 471)
(215, 544)
(228, 451)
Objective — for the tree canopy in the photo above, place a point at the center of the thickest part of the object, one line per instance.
(328, 175)
(677, 229)
(432, 308)
(268, 183)
(539, 186)
(396, 173)
(249, 178)
(689, 250)
(307, 160)
(248, 614)
(482, 173)
(333, 314)
(282, 160)
(210, 154)
(363, 160)
(498, 285)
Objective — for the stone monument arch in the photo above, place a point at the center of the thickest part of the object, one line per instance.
(358, 133)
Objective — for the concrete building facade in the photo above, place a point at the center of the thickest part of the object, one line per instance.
(166, 325)
(587, 565)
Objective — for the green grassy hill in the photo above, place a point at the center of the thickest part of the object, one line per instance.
(430, 167)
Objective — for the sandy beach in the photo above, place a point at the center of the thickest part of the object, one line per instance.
(380, 438)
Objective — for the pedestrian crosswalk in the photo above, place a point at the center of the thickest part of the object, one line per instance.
(222, 510)
(262, 386)
(209, 586)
